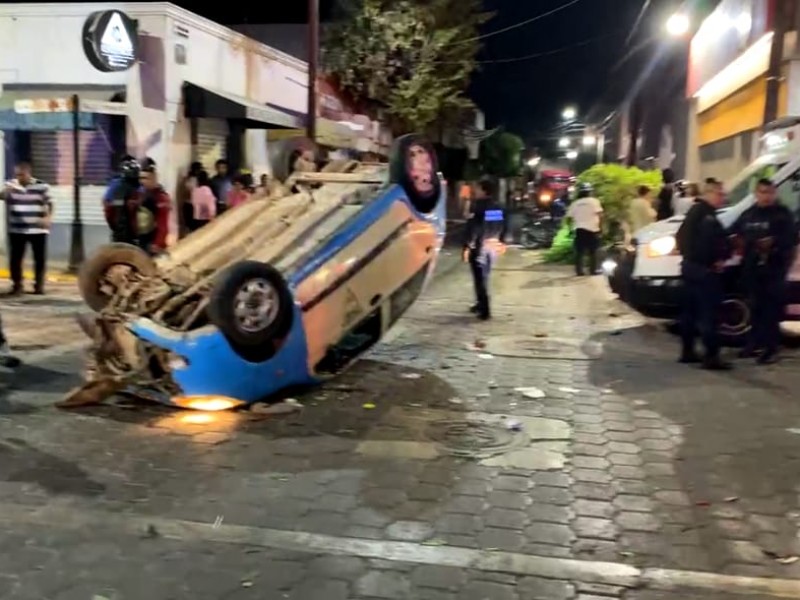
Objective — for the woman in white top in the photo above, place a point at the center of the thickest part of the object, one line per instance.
(686, 199)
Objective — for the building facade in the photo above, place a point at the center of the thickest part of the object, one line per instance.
(196, 91)
(727, 84)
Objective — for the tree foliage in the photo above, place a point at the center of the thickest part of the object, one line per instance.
(501, 155)
(414, 57)
(615, 186)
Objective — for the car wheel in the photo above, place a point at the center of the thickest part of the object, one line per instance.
(413, 165)
(101, 273)
(735, 320)
(252, 306)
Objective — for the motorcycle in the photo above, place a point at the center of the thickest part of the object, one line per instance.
(539, 231)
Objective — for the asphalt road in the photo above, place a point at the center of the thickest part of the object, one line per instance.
(555, 452)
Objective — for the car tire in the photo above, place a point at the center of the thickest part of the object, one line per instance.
(735, 320)
(251, 304)
(413, 165)
(97, 266)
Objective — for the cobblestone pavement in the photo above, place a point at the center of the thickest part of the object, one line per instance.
(555, 452)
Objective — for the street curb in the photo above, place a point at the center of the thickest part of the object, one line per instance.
(54, 277)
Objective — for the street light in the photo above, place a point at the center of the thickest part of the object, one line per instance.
(589, 140)
(678, 25)
(563, 142)
(572, 155)
(569, 113)
(533, 162)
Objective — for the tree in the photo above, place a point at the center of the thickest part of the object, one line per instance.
(413, 57)
(501, 155)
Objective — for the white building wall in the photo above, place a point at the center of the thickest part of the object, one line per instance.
(40, 45)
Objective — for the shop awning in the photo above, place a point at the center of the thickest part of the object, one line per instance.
(11, 120)
(205, 103)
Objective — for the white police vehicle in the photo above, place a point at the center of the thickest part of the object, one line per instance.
(646, 273)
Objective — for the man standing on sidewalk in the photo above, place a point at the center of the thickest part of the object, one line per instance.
(485, 234)
(703, 243)
(29, 216)
(585, 214)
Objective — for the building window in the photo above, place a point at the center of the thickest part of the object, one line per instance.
(721, 150)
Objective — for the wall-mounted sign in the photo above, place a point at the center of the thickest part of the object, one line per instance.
(110, 41)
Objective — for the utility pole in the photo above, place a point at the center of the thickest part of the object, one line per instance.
(76, 248)
(783, 17)
(313, 67)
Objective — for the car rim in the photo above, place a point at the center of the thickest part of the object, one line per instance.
(735, 315)
(256, 305)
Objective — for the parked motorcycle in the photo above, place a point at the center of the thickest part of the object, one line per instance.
(539, 231)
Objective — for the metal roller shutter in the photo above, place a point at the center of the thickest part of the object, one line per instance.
(52, 161)
(211, 145)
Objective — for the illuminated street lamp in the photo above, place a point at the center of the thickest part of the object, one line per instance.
(563, 142)
(569, 113)
(534, 162)
(678, 25)
(589, 140)
(572, 155)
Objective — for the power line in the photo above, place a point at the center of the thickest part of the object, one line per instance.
(645, 6)
(541, 54)
(517, 25)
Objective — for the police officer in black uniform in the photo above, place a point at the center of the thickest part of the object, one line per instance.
(767, 235)
(485, 233)
(704, 245)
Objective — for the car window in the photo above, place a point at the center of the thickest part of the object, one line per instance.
(748, 184)
(789, 194)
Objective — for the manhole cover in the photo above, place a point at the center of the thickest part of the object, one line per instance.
(473, 439)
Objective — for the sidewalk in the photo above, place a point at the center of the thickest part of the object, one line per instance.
(57, 271)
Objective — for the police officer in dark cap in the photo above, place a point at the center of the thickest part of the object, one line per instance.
(704, 245)
(767, 236)
(120, 209)
(485, 233)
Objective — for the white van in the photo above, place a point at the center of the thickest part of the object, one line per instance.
(646, 274)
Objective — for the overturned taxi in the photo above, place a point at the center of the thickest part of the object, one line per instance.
(284, 290)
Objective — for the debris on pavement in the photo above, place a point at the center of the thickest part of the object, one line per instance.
(730, 499)
(286, 407)
(514, 425)
(541, 335)
(151, 532)
(531, 392)
(411, 376)
(569, 390)
(218, 521)
(486, 356)
(368, 406)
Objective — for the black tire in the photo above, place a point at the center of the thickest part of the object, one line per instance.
(260, 341)
(414, 166)
(95, 268)
(735, 321)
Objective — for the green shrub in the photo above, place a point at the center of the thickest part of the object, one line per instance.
(615, 186)
(562, 250)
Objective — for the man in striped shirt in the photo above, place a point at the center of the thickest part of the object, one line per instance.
(29, 212)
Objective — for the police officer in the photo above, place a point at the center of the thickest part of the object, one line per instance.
(486, 230)
(767, 235)
(121, 207)
(704, 246)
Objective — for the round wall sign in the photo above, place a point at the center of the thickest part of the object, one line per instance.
(110, 41)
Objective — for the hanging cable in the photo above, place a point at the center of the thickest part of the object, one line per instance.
(517, 25)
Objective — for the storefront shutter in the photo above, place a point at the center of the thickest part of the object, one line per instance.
(52, 161)
(211, 142)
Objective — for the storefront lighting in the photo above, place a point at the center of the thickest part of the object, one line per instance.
(744, 22)
(589, 140)
(572, 155)
(751, 64)
(563, 143)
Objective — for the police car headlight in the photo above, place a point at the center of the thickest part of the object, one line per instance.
(663, 246)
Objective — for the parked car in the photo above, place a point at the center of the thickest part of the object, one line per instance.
(280, 291)
(646, 273)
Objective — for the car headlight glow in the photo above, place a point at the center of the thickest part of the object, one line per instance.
(546, 198)
(609, 266)
(206, 403)
(663, 246)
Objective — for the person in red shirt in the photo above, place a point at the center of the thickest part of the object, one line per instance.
(152, 218)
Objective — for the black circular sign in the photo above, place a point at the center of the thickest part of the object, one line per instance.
(110, 41)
